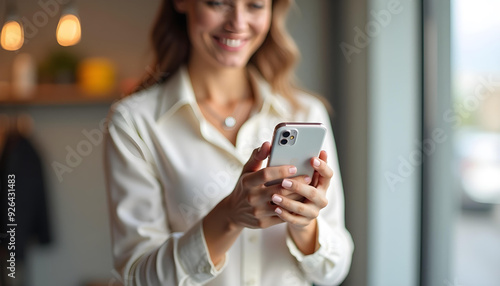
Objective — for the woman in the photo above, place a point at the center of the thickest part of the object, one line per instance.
(187, 193)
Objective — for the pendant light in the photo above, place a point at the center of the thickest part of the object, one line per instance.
(69, 31)
(12, 33)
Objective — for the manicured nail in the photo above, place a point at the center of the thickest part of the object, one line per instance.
(278, 211)
(286, 183)
(316, 162)
(292, 170)
(276, 199)
(307, 179)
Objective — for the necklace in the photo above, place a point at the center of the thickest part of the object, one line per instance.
(228, 122)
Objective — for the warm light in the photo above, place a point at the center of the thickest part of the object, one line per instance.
(12, 37)
(68, 30)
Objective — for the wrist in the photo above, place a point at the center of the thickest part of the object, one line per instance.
(220, 232)
(306, 237)
(307, 229)
(226, 220)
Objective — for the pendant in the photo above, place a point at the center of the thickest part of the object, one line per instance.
(229, 122)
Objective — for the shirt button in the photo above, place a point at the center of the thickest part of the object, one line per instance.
(253, 238)
(250, 282)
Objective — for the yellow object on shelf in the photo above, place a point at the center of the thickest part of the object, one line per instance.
(96, 76)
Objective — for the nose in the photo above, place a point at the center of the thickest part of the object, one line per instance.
(236, 19)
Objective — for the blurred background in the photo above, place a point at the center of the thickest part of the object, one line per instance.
(415, 88)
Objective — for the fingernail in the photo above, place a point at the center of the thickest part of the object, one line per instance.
(292, 170)
(286, 183)
(258, 150)
(278, 211)
(276, 199)
(316, 162)
(307, 179)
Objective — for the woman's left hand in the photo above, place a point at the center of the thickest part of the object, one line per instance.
(301, 216)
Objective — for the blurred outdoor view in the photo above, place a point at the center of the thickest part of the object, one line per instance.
(476, 122)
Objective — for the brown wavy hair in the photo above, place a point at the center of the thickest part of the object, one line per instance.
(275, 59)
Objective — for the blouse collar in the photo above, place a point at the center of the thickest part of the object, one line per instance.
(178, 92)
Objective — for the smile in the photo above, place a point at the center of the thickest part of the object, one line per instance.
(233, 43)
(230, 44)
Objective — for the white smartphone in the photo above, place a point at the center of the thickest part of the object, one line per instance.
(295, 143)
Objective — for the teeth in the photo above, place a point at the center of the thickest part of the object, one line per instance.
(233, 43)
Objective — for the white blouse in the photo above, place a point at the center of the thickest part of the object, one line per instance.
(167, 167)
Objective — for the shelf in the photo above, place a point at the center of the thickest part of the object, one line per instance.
(59, 94)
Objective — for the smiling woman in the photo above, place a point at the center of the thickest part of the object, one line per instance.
(189, 199)
(275, 59)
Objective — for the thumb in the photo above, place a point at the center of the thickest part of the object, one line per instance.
(258, 155)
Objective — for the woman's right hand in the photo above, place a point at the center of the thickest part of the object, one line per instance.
(249, 205)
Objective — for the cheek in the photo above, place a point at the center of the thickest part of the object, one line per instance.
(261, 26)
(204, 20)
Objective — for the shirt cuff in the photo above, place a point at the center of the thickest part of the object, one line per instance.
(195, 258)
(328, 247)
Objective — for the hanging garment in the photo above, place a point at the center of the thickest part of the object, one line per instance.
(20, 158)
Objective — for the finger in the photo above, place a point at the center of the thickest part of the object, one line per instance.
(315, 179)
(292, 195)
(302, 178)
(309, 211)
(288, 194)
(321, 167)
(261, 196)
(264, 211)
(319, 164)
(292, 218)
(323, 155)
(315, 195)
(269, 174)
(258, 156)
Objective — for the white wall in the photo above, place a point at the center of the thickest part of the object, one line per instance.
(394, 130)
(81, 247)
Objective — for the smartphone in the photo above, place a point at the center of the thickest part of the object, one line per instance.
(295, 143)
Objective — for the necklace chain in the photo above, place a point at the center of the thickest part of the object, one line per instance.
(229, 122)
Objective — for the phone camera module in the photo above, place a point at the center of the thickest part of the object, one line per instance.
(286, 134)
(283, 141)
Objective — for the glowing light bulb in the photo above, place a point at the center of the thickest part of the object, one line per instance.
(12, 37)
(69, 31)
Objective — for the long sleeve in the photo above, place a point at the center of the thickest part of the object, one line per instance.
(330, 264)
(145, 251)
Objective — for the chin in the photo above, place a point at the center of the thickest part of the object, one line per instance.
(232, 62)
